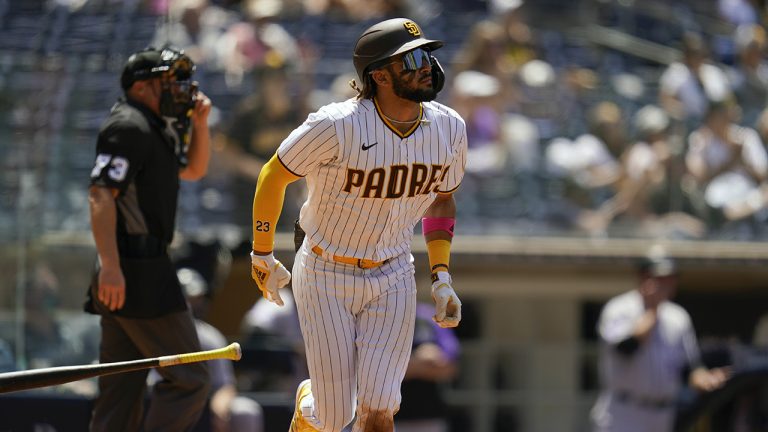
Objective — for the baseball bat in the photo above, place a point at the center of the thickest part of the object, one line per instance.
(34, 378)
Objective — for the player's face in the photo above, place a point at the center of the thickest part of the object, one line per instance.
(412, 76)
(656, 290)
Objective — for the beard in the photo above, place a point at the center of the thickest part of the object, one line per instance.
(400, 88)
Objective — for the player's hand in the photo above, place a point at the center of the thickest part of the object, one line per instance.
(707, 380)
(270, 275)
(111, 291)
(447, 304)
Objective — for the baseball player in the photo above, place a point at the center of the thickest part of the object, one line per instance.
(647, 341)
(375, 165)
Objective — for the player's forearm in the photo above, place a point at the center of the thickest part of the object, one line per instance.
(103, 225)
(444, 206)
(437, 224)
(268, 203)
(199, 153)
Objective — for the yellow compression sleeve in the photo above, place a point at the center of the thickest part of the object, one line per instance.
(268, 202)
(439, 252)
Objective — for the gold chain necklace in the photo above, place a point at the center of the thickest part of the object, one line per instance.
(398, 121)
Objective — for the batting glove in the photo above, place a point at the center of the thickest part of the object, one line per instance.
(270, 275)
(447, 304)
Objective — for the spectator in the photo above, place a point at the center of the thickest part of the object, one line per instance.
(357, 11)
(761, 125)
(194, 26)
(499, 45)
(518, 41)
(258, 42)
(687, 86)
(335, 10)
(476, 98)
(588, 166)
(648, 199)
(607, 136)
(230, 412)
(258, 125)
(739, 12)
(728, 165)
(647, 343)
(749, 77)
(540, 97)
(433, 362)
(482, 51)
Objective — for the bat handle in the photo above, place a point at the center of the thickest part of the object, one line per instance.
(231, 352)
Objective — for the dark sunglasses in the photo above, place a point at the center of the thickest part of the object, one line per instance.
(413, 60)
(416, 59)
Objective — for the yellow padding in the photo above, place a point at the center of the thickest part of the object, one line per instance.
(439, 252)
(268, 202)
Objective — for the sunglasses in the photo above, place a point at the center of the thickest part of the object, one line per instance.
(413, 60)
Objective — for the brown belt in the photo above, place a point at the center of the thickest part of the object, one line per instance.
(359, 262)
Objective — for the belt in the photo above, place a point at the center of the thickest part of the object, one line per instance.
(645, 402)
(358, 262)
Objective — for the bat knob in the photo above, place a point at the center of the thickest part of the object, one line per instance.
(237, 353)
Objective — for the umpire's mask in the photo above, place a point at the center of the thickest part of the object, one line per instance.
(174, 68)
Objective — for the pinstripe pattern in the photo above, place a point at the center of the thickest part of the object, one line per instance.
(329, 150)
(368, 185)
(652, 372)
(358, 328)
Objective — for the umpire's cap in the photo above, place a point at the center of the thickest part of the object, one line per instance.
(386, 39)
(152, 62)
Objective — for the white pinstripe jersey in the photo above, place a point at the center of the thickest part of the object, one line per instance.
(369, 184)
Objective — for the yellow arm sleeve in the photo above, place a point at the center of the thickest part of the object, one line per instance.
(439, 252)
(268, 202)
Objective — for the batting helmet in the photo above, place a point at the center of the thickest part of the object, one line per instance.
(386, 39)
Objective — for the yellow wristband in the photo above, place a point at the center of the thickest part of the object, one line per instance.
(439, 252)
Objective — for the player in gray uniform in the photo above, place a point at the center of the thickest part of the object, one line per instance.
(647, 342)
(375, 166)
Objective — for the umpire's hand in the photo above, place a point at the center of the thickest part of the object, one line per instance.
(111, 289)
(447, 304)
(201, 109)
(270, 275)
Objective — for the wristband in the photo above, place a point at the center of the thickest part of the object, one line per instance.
(439, 254)
(430, 224)
(437, 266)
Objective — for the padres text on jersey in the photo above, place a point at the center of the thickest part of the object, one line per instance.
(369, 184)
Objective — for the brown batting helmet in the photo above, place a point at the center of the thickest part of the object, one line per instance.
(386, 39)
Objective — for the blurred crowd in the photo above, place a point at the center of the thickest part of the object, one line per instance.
(587, 118)
(615, 119)
(559, 143)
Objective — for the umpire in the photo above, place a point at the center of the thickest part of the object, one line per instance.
(154, 136)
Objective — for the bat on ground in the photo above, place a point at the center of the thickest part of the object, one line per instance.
(34, 378)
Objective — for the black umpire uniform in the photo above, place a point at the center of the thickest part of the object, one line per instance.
(137, 159)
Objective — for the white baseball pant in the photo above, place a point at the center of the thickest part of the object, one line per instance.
(358, 330)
